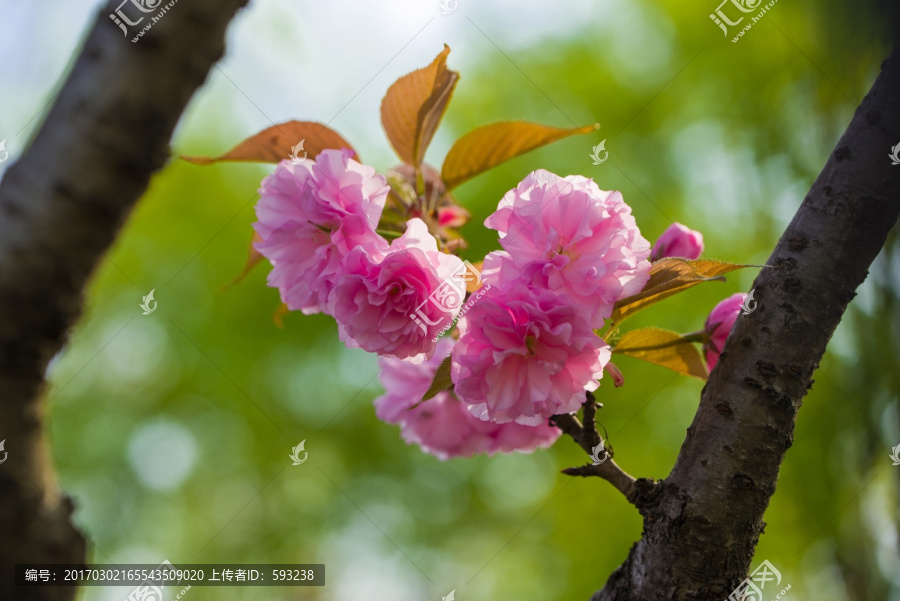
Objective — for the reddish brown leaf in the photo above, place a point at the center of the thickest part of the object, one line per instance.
(670, 276)
(413, 106)
(253, 259)
(474, 284)
(276, 143)
(490, 145)
(665, 348)
(278, 315)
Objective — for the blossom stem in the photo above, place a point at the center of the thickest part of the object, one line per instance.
(701, 336)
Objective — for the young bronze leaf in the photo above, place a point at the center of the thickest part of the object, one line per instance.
(279, 142)
(441, 380)
(278, 315)
(665, 348)
(413, 106)
(473, 284)
(253, 259)
(488, 146)
(670, 276)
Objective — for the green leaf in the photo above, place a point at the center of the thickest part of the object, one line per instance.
(490, 145)
(413, 107)
(663, 347)
(276, 143)
(668, 277)
(441, 381)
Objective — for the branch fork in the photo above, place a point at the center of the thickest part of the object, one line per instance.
(587, 437)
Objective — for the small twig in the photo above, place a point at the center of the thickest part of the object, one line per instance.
(584, 437)
(609, 471)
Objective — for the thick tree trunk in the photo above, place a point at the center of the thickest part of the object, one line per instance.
(61, 206)
(702, 523)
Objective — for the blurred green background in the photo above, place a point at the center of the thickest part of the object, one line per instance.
(173, 430)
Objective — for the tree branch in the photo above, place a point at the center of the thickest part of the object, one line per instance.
(701, 530)
(61, 206)
(589, 413)
(586, 436)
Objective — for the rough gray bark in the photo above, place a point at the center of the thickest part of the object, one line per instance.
(61, 206)
(702, 523)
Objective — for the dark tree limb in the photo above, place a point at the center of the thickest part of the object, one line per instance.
(61, 206)
(701, 530)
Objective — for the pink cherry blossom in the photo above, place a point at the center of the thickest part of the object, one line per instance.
(310, 215)
(524, 354)
(571, 237)
(678, 241)
(718, 326)
(443, 426)
(397, 302)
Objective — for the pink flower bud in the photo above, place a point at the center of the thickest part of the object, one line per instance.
(678, 241)
(615, 373)
(452, 216)
(718, 326)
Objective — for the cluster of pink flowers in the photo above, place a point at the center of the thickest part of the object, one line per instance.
(317, 222)
(444, 426)
(527, 348)
(528, 351)
(568, 236)
(310, 215)
(377, 294)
